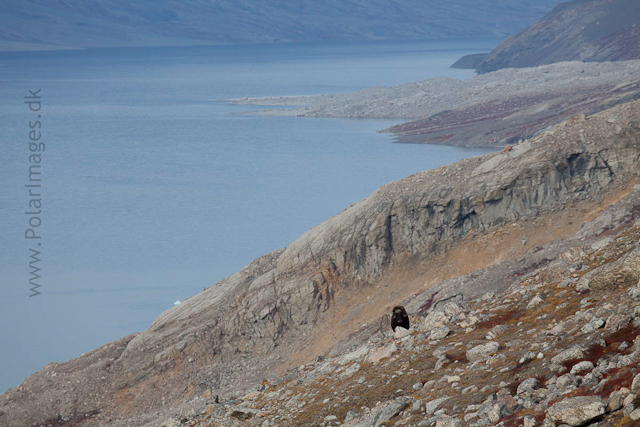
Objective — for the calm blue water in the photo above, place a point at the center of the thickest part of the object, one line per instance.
(151, 190)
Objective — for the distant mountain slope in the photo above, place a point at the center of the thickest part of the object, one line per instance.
(585, 30)
(83, 23)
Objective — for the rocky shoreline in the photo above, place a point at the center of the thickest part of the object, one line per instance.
(497, 108)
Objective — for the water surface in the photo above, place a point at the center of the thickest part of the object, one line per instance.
(152, 191)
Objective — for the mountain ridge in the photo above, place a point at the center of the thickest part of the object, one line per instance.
(580, 30)
(104, 23)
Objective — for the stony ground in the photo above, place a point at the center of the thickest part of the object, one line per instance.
(560, 347)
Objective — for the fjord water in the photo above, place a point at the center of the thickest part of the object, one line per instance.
(151, 189)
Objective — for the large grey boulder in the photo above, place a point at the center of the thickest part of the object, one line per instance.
(574, 352)
(483, 351)
(575, 411)
(382, 413)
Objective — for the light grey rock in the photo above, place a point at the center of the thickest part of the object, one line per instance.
(450, 379)
(535, 301)
(635, 293)
(432, 406)
(483, 351)
(594, 324)
(470, 389)
(381, 413)
(447, 421)
(582, 367)
(530, 384)
(582, 284)
(495, 332)
(616, 321)
(469, 416)
(381, 353)
(435, 319)
(566, 282)
(574, 352)
(401, 332)
(351, 415)
(575, 411)
(488, 296)
(616, 399)
(498, 411)
(567, 381)
(635, 384)
(628, 409)
(528, 356)
(350, 371)
(442, 360)
(439, 333)
(629, 399)
(353, 356)
(601, 243)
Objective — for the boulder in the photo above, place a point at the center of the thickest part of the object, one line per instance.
(483, 351)
(575, 411)
(381, 413)
(381, 353)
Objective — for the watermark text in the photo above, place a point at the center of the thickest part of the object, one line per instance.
(33, 186)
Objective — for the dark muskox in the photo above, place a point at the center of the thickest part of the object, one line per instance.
(399, 317)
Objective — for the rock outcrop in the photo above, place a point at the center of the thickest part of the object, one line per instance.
(297, 303)
(581, 30)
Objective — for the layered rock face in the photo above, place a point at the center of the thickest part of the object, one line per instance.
(585, 30)
(236, 331)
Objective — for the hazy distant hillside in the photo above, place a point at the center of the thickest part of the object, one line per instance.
(90, 23)
(586, 30)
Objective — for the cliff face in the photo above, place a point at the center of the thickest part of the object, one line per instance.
(584, 30)
(296, 303)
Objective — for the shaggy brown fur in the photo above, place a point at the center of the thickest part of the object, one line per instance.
(399, 317)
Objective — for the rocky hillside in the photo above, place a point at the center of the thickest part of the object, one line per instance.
(584, 30)
(472, 227)
(559, 347)
(28, 24)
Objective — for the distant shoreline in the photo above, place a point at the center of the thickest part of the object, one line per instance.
(492, 109)
(6, 46)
